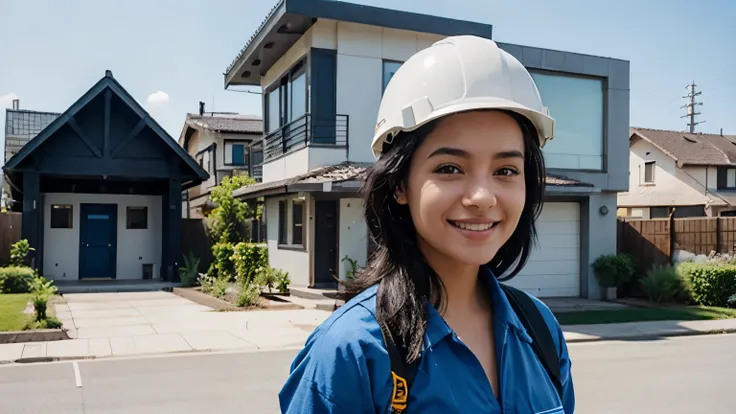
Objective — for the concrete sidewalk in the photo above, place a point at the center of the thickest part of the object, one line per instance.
(123, 324)
(645, 330)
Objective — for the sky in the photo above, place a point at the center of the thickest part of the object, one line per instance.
(171, 54)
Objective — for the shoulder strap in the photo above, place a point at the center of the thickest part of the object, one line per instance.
(402, 374)
(542, 341)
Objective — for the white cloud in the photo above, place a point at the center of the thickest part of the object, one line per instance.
(158, 98)
(6, 101)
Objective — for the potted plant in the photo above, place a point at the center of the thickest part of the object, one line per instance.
(613, 271)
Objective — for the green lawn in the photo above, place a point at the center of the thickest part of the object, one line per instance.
(12, 317)
(645, 314)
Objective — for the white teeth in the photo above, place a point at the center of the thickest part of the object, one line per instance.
(474, 226)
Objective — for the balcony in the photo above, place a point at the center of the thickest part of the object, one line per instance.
(306, 131)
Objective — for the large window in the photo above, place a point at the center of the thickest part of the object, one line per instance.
(136, 218)
(286, 99)
(576, 104)
(389, 70)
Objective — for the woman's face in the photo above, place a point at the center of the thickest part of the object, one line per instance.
(466, 189)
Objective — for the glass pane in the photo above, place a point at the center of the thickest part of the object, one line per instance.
(272, 109)
(298, 98)
(576, 104)
(389, 70)
(98, 217)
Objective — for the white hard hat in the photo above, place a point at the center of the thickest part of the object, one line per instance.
(457, 74)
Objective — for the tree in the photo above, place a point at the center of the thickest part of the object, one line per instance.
(228, 219)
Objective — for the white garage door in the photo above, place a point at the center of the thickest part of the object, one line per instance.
(553, 268)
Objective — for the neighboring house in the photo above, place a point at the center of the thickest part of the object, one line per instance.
(692, 175)
(20, 126)
(322, 66)
(101, 190)
(219, 142)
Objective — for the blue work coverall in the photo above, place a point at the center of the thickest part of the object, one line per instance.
(345, 368)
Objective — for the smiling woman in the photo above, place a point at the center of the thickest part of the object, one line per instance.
(451, 203)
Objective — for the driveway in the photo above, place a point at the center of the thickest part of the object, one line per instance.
(115, 324)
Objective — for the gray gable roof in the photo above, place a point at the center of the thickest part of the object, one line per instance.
(248, 124)
(690, 149)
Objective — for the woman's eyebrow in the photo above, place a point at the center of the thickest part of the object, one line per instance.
(457, 152)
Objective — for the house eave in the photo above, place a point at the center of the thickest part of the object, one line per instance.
(287, 22)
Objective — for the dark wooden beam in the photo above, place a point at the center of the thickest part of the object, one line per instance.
(134, 133)
(75, 126)
(97, 167)
(106, 140)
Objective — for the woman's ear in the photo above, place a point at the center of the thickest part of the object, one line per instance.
(400, 195)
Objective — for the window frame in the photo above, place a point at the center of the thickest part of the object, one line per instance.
(128, 217)
(70, 216)
(604, 113)
(287, 223)
(384, 63)
(653, 165)
(283, 83)
(230, 143)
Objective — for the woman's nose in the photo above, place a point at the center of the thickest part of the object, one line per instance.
(481, 196)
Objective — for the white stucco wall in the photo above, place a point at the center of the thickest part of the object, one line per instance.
(353, 236)
(296, 262)
(672, 186)
(134, 247)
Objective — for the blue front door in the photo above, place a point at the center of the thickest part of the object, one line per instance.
(98, 240)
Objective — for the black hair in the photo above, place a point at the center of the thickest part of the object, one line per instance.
(406, 281)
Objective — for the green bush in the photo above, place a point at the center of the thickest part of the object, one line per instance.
(249, 259)
(188, 273)
(248, 296)
(273, 278)
(614, 270)
(663, 284)
(48, 323)
(19, 251)
(16, 279)
(42, 290)
(710, 284)
(224, 265)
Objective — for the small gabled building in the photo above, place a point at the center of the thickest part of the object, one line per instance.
(101, 190)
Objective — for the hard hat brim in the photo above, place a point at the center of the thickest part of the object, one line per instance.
(544, 124)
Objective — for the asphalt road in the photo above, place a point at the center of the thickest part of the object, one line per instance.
(677, 375)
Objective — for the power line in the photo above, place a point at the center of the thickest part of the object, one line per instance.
(691, 107)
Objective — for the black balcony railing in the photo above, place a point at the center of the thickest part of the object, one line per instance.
(307, 130)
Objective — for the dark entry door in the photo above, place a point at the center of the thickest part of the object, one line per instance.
(98, 240)
(325, 244)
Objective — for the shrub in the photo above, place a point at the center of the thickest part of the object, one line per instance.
(228, 220)
(351, 269)
(710, 284)
(614, 270)
(282, 281)
(224, 266)
(42, 290)
(19, 251)
(249, 295)
(188, 272)
(663, 284)
(273, 278)
(249, 259)
(48, 323)
(16, 279)
(732, 301)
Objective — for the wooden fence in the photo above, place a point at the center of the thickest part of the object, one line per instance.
(194, 239)
(9, 234)
(655, 241)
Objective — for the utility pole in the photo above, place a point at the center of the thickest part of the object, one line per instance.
(691, 107)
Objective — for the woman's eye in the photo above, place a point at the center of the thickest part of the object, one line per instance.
(447, 169)
(507, 172)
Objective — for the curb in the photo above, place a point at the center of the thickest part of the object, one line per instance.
(36, 335)
(651, 335)
(32, 360)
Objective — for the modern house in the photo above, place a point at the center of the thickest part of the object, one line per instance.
(20, 126)
(220, 143)
(680, 173)
(101, 190)
(322, 67)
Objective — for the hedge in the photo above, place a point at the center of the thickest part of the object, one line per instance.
(710, 284)
(16, 279)
(248, 259)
